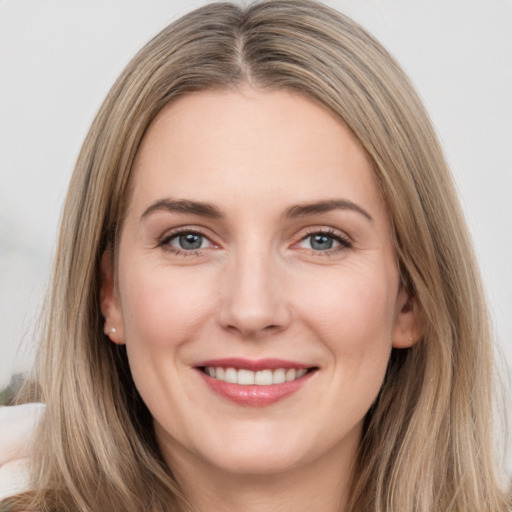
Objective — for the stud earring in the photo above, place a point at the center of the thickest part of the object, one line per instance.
(112, 330)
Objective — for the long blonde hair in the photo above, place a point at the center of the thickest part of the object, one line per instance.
(427, 442)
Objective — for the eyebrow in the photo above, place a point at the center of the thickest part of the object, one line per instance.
(183, 206)
(212, 212)
(306, 209)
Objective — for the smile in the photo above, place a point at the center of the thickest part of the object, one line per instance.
(245, 377)
(255, 383)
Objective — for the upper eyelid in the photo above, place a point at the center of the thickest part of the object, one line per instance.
(329, 231)
(164, 242)
(170, 233)
(344, 240)
(213, 238)
(340, 241)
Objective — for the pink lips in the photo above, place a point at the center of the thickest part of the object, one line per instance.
(247, 364)
(253, 395)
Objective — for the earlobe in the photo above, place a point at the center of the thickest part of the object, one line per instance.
(408, 327)
(109, 301)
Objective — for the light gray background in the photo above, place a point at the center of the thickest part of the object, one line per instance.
(59, 57)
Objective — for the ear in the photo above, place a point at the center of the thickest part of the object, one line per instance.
(409, 325)
(109, 301)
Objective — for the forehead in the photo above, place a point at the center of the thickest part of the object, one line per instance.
(274, 145)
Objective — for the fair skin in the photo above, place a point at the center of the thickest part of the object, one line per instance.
(258, 273)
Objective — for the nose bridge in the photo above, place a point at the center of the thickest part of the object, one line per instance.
(253, 298)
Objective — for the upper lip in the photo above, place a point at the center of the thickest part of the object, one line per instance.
(253, 364)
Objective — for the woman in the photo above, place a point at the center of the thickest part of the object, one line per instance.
(264, 296)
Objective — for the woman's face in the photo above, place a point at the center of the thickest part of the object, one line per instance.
(258, 291)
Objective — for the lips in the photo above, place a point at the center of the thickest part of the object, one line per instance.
(254, 383)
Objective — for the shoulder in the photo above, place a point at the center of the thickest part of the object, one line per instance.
(17, 425)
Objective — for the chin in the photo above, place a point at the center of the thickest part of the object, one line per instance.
(257, 462)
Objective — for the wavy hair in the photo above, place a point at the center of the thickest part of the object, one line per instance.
(427, 442)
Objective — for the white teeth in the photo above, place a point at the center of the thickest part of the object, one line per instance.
(263, 378)
(291, 374)
(245, 377)
(260, 378)
(231, 375)
(278, 376)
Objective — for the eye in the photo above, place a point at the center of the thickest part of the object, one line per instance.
(324, 241)
(186, 241)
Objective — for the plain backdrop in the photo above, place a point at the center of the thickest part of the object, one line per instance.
(58, 59)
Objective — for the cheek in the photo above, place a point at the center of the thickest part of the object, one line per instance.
(162, 307)
(354, 318)
(163, 310)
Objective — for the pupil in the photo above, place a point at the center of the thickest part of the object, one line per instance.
(321, 242)
(191, 241)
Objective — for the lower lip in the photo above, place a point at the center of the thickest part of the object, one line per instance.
(254, 395)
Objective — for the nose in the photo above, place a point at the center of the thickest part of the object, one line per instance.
(253, 300)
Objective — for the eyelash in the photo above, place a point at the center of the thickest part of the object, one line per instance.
(344, 242)
(164, 243)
